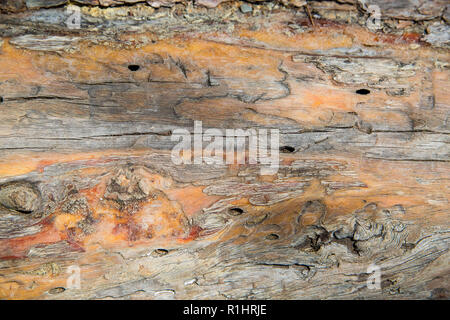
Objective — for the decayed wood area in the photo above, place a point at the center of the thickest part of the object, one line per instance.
(86, 177)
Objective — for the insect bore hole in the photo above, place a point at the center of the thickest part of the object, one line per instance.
(57, 290)
(235, 211)
(363, 91)
(159, 252)
(272, 236)
(134, 67)
(287, 149)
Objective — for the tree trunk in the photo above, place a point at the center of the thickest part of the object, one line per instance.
(89, 113)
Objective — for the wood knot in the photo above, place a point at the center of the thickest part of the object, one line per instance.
(211, 223)
(312, 213)
(20, 196)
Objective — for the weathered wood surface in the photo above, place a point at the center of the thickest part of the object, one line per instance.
(86, 176)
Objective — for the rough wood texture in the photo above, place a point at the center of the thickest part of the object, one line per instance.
(86, 176)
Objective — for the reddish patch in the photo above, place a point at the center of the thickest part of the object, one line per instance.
(411, 37)
(194, 233)
(94, 193)
(44, 163)
(119, 228)
(19, 247)
(403, 39)
(71, 238)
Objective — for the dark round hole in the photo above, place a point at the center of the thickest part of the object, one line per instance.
(24, 211)
(287, 149)
(363, 91)
(1, 99)
(133, 67)
(272, 236)
(235, 211)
